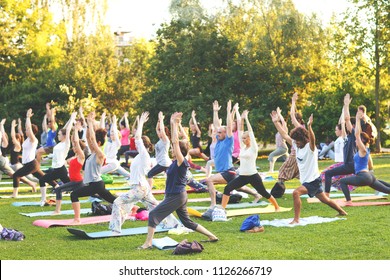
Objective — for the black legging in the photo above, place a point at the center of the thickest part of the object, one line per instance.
(363, 179)
(156, 170)
(31, 167)
(91, 189)
(242, 180)
(345, 169)
(54, 174)
(70, 186)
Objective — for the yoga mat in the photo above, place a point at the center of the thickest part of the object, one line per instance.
(364, 203)
(333, 195)
(374, 197)
(104, 234)
(165, 243)
(68, 222)
(37, 203)
(32, 196)
(302, 221)
(235, 205)
(249, 211)
(163, 191)
(50, 213)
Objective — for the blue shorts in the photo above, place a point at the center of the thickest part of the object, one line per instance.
(314, 187)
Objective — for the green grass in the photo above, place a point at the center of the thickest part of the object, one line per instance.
(364, 235)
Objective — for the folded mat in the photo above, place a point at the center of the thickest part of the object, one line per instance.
(165, 243)
(302, 221)
(363, 203)
(235, 205)
(104, 234)
(373, 197)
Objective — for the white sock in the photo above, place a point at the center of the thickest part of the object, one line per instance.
(43, 193)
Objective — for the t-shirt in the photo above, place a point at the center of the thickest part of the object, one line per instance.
(28, 152)
(223, 154)
(110, 150)
(350, 147)
(176, 177)
(307, 161)
(60, 151)
(162, 153)
(125, 132)
(50, 140)
(339, 149)
(248, 156)
(140, 165)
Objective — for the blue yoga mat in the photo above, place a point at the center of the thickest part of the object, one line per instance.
(104, 234)
(37, 203)
(235, 205)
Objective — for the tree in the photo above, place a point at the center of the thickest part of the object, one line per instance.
(368, 23)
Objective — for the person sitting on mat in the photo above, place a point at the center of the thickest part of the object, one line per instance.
(362, 175)
(247, 172)
(303, 140)
(175, 193)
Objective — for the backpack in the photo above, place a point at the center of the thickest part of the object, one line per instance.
(99, 209)
(186, 247)
(219, 214)
(12, 235)
(234, 198)
(107, 178)
(278, 190)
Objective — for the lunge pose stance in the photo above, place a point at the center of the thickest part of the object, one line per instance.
(248, 172)
(175, 193)
(307, 159)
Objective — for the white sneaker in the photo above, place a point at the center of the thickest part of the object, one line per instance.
(42, 203)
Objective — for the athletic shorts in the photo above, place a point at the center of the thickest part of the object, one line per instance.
(314, 187)
(229, 175)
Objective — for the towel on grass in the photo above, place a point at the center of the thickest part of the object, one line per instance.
(302, 221)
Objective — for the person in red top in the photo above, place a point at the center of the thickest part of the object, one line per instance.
(75, 166)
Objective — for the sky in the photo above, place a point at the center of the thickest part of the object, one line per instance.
(143, 17)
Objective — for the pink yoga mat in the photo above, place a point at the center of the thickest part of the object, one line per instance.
(363, 203)
(68, 222)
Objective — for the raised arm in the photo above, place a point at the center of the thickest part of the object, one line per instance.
(4, 138)
(126, 119)
(347, 102)
(358, 130)
(216, 121)
(175, 121)
(20, 127)
(29, 132)
(236, 113)
(229, 119)
(114, 129)
(16, 143)
(68, 127)
(81, 113)
(142, 119)
(103, 120)
(278, 125)
(193, 118)
(53, 125)
(44, 123)
(161, 127)
(312, 137)
(283, 122)
(293, 110)
(342, 124)
(76, 143)
(91, 139)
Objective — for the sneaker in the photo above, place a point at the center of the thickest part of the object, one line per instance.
(42, 203)
(208, 215)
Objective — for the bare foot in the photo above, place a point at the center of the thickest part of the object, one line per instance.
(348, 203)
(257, 198)
(294, 222)
(277, 209)
(56, 213)
(33, 187)
(75, 223)
(256, 229)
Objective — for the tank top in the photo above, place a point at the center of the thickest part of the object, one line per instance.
(14, 156)
(75, 170)
(93, 170)
(195, 141)
(361, 163)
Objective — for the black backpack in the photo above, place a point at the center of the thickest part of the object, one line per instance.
(99, 209)
(278, 190)
(234, 198)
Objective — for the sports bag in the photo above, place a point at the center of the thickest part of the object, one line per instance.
(278, 190)
(186, 247)
(12, 235)
(99, 209)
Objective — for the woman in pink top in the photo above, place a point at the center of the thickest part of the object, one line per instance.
(125, 133)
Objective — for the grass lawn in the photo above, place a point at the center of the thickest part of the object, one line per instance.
(363, 236)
